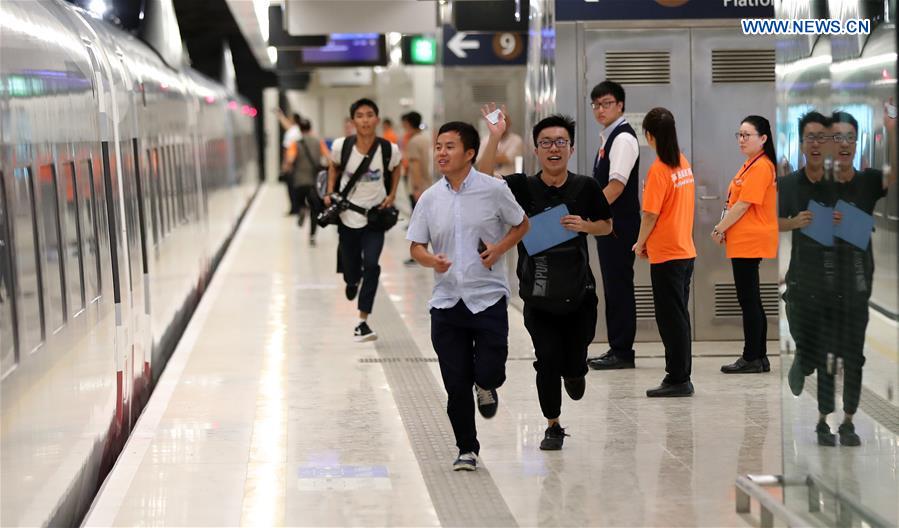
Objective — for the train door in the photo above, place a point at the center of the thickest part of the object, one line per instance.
(654, 67)
(731, 80)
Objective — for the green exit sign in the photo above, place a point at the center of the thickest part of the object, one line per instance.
(422, 50)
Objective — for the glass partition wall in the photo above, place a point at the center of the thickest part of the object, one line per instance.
(839, 221)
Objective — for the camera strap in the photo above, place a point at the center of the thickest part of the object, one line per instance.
(360, 170)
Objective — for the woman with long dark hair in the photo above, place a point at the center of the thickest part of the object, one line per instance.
(748, 228)
(666, 239)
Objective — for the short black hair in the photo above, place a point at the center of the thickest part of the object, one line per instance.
(296, 118)
(360, 103)
(555, 120)
(659, 122)
(471, 140)
(812, 117)
(413, 118)
(305, 125)
(387, 122)
(844, 117)
(608, 88)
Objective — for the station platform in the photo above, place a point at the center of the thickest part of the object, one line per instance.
(269, 413)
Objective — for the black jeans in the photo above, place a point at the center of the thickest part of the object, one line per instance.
(304, 199)
(671, 295)
(471, 348)
(616, 264)
(755, 323)
(560, 344)
(360, 251)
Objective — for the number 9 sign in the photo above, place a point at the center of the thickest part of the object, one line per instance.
(507, 46)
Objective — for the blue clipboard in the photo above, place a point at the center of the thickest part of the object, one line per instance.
(821, 229)
(546, 230)
(855, 227)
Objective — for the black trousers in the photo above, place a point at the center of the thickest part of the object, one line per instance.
(304, 200)
(671, 295)
(360, 251)
(749, 295)
(560, 344)
(292, 196)
(471, 348)
(616, 264)
(827, 327)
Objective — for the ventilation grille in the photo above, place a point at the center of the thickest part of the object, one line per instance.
(488, 92)
(646, 309)
(639, 67)
(726, 304)
(743, 66)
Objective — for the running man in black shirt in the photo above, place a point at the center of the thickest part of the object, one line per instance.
(559, 315)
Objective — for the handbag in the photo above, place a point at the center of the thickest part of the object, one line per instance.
(382, 219)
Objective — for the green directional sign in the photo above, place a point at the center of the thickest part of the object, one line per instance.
(422, 50)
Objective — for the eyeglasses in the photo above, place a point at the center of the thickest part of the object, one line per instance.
(819, 138)
(547, 143)
(742, 136)
(840, 138)
(604, 104)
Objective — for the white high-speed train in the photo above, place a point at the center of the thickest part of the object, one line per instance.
(124, 173)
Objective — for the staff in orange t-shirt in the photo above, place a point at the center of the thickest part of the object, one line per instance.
(666, 239)
(749, 229)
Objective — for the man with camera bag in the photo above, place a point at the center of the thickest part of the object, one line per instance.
(556, 284)
(367, 166)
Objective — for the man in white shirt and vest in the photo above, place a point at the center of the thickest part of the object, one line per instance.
(615, 168)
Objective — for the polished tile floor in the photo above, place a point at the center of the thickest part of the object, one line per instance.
(270, 414)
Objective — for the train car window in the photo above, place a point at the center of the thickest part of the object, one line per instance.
(141, 210)
(179, 181)
(170, 187)
(48, 222)
(28, 268)
(163, 192)
(8, 358)
(87, 204)
(74, 259)
(152, 193)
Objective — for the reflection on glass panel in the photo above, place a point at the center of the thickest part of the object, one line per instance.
(89, 235)
(48, 222)
(28, 279)
(153, 190)
(7, 300)
(71, 230)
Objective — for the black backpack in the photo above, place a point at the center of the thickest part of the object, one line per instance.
(554, 280)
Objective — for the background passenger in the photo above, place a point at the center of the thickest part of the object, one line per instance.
(748, 227)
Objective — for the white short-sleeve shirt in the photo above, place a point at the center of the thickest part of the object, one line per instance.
(369, 190)
(624, 152)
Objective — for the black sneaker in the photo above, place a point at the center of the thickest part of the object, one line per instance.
(364, 333)
(741, 366)
(553, 438)
(351, 291)
(575, 387)
(466, 462)
(825, 437)
(488, 401)
(796, 378)
(848, 436)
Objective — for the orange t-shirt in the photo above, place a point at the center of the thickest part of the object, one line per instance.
(670, 193)
(755, 233)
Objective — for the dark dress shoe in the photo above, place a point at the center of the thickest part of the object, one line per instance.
(741, 366)
(766, 365)
(575, 387)
(796, 378)
(825, 437)
(607, 355)
(610, 362)
(671, 390)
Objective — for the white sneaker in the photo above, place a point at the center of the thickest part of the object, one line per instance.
(466, 462)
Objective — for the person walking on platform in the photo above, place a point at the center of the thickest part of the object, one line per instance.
(748, 227)
(375, 160)
(291, 135)
(307, 163)
(470, 220)
(666, 239)
(615, 168)
(561, 320)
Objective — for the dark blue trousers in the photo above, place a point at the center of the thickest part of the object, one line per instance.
(471, 348)
(616, 264)
(360, 251)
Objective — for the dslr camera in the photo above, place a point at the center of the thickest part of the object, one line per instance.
(331, 215)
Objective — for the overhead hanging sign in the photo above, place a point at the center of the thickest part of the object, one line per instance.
(466, 48)
(568, 10)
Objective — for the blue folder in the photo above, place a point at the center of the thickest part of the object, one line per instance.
(855, 227)
(821, 228)
(546, 230)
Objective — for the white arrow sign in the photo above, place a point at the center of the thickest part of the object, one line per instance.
(457, 44)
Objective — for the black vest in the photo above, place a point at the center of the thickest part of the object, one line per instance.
(626, 208)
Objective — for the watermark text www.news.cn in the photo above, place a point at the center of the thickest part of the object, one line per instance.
(807, 26)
